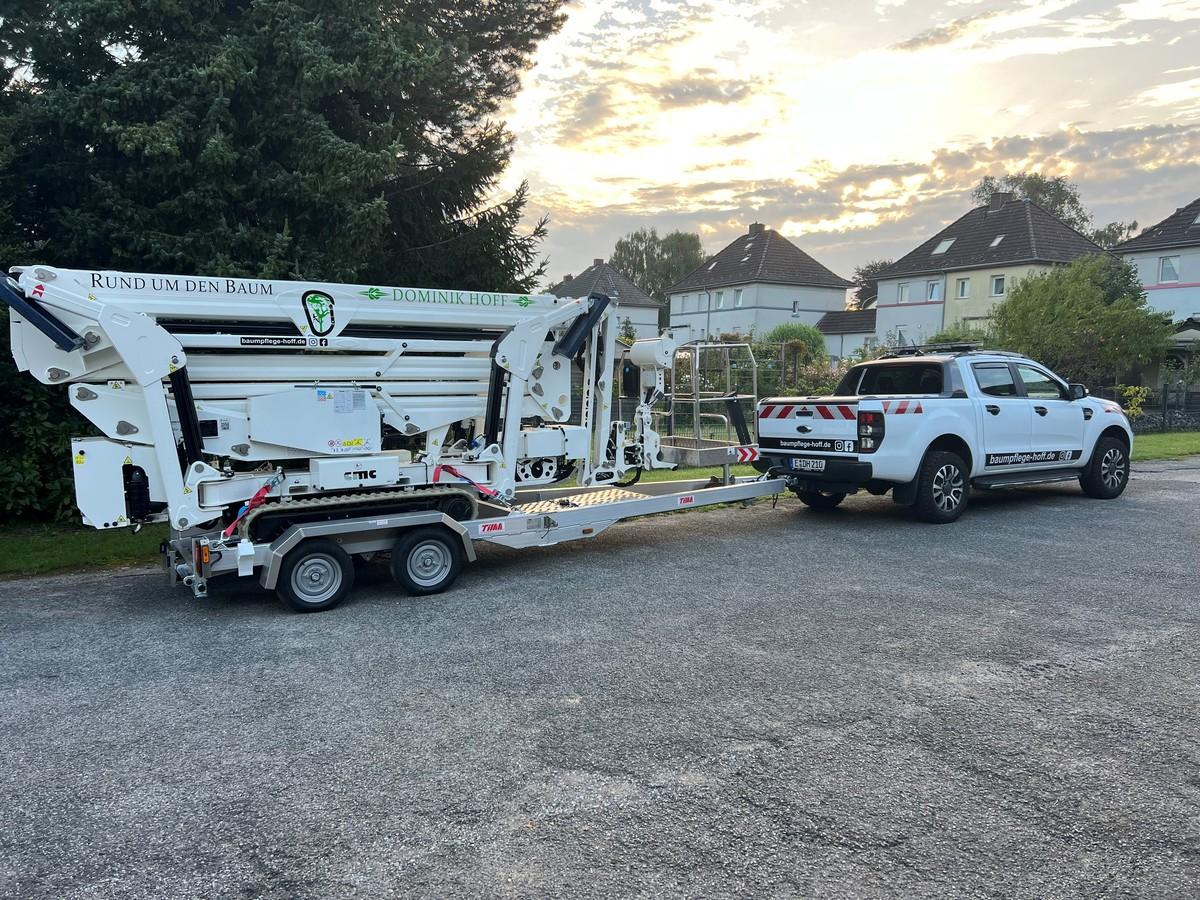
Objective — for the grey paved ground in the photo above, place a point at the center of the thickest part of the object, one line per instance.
(763, 702)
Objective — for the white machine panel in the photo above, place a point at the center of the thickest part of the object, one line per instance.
(330, 420)
(570, 441)
(99, 479)
(354, 472)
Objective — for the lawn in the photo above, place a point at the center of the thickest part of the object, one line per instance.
(42, 549)
(1171, 445)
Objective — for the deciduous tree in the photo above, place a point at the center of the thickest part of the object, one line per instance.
(1057, 196)
(866, 283)
(1089, 321)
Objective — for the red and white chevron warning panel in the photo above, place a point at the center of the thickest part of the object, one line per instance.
(903, 407)
(817, 410)
(744, 454)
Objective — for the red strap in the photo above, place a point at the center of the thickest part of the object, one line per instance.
(483, 489)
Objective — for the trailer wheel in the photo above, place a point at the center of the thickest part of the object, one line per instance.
(315, 576)
(427, 560)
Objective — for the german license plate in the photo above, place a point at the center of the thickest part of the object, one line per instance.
(808, 465)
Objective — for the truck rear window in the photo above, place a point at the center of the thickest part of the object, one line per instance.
(893, 379)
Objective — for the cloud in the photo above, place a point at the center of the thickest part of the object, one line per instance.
(730, 140)
(700, 88)
(847, 215)
(944, 34)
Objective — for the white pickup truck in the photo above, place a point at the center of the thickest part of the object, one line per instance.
(930, 426)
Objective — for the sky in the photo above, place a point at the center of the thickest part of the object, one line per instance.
(854, 127)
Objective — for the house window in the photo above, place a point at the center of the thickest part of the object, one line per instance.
(720, 299)
(996, 240)
(902, 293)
(964, 288)
(1168, 269)
(737, 301)
(997, 285)
(795, 308)
(933, 290)
(683, 303)
(943, 246)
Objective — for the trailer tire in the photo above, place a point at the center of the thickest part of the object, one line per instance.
(315, 576)
(427, 560)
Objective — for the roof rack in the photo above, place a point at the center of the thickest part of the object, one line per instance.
(948, 349)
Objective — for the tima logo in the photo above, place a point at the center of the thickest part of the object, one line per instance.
(318, 309)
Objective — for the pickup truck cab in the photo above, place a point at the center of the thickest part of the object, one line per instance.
(929, 426)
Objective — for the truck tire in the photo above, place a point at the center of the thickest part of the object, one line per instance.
(1106, 476)
(820, 499)
(427, 560)
(942, 488)
(315, 576)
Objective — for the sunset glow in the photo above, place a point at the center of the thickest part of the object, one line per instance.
(855, 127)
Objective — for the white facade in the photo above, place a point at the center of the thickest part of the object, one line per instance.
(643, 318)
(747, 309)
(1171, 278)
(839, 346)
(910, 309)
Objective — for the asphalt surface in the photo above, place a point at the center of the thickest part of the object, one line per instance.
(737, 702)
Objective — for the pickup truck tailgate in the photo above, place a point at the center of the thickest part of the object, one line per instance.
(824, 425)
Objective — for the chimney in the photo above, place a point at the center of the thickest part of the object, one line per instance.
(999, 199)
(758, 228)
(597, 262)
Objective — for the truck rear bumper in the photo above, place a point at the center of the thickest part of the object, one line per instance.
(840, 474)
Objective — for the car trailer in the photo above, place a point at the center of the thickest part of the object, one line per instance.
(310, 566)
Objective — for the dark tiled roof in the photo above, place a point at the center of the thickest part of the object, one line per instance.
(1180, 229)
(1030, 235)
(762, 256)
(853, 321)
(602, 278)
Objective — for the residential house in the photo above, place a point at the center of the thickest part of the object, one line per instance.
(847, 332)
(1167, 256)
(961, 273)
(759, 281)
(630, 301)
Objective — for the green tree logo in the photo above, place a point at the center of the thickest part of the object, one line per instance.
(318, 309)
(524, 302)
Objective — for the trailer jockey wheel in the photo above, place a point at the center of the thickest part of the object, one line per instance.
(315, 576)
(427, 560)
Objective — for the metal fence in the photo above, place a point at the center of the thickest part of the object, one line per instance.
(1172, 407)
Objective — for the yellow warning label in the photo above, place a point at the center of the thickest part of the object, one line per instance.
(128, 461)
(187, 490)
(79, 459)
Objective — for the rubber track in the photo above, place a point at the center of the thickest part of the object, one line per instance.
(371, 497)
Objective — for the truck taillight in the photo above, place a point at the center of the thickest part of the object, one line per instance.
(870, 431)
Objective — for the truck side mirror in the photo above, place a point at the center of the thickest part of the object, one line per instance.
(1078, 391)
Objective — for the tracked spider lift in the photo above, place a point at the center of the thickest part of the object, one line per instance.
(285, 427)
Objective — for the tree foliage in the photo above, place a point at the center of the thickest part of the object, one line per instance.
(962, 333)
(309, 139)
(654, 263)
(1089, 321)
(866, 283)
(1057, 196)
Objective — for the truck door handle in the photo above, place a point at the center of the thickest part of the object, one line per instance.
(1040, 410)
(993, 409)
